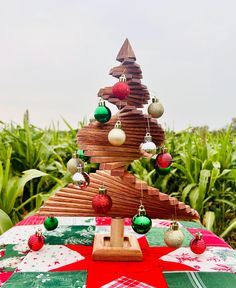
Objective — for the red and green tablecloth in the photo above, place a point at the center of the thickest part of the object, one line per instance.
(66, 258)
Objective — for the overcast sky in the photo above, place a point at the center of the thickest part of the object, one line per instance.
(56, 55)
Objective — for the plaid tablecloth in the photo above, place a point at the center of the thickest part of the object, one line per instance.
(66, 258)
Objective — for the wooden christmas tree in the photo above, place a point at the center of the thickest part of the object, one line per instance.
(125, 189)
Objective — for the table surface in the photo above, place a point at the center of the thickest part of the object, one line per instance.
(66, 258)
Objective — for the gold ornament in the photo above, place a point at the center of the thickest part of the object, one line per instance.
(173, 237)
(73, 164)
(155, 109)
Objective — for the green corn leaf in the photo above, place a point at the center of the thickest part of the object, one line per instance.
(6, 174)
(11, 194)
(203, 182)
(231, 175)
(216, 164)
(225, 172)
(15, 187)
(16, 217)
(193, 197)
(41, 198)
(1, 182)
(215, 172)
(184, 171)
(207, 164)
(230, 227)
(209, 220)
(150, 176)
(197, 164)
(5, 222)
(31, 174)
(165, 180)
(187, 190)
(231, 204)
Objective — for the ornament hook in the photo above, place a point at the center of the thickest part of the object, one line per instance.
(122, 78)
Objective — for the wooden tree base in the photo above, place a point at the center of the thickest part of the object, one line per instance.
(102, 251)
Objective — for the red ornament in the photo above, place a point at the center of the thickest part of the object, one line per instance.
(163, 160)
(36, 241)
(198, 245)
(121, 89)
(102, 202)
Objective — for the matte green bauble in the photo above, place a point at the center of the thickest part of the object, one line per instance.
(102, 114)
(163, 171)
(141, 224)
(50, 223)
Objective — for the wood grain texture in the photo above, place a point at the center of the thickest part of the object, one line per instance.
(93, 138)
(124, 188)
(125, 195)
(102, 250)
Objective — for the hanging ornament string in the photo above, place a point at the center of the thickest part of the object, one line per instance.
(141, 201)
(119, 108)
(141, 223)
(175, 217)
(141, 192)
(148, 148)
(148, 125)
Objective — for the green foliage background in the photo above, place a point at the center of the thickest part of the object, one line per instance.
(203, 175)
(203, 172)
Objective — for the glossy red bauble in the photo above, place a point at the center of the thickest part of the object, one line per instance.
(163, 160)
(101, 203)
(36, 241)
(198, 245)
(121, 90)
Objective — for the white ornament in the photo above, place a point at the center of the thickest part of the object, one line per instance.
(80, 178)
(148, 146)
(117, 136)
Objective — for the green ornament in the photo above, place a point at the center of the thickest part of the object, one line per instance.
(141, 223)
(50, 223)
(81, 155)
(102, 114)
(163, 171)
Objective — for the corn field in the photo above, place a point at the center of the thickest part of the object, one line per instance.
(203, 172)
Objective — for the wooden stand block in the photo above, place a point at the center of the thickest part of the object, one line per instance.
(116, 247)
(102, 250)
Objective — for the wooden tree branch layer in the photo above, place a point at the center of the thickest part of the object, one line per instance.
(125, 195)
(139, 94)
(93, 139)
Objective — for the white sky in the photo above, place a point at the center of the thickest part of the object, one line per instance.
(56, 54)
